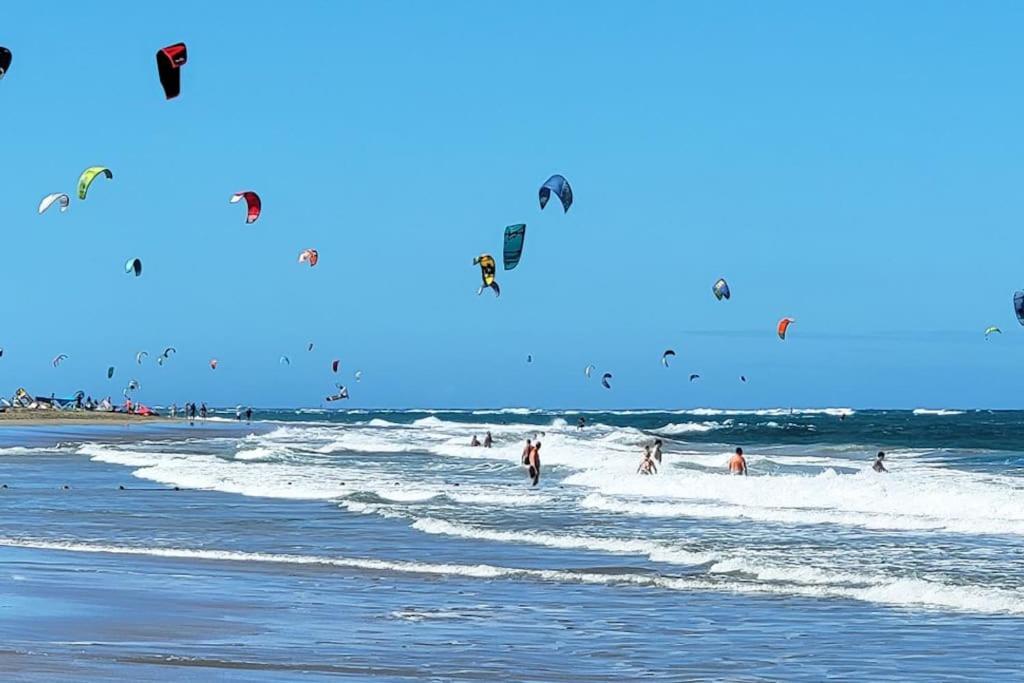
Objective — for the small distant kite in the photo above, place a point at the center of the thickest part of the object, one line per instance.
(1018, 306)
(604, 380)
(486, 263)
(60, 198)
(514, 237)
(529, 358)
(560, 186)
(358, 375)
(285, 360)
(140, 356)
(310, 256)
(252, 201)
(694, 377)
(169, 61)
(743, 378)
(168, 351)
(89, 175)
(133, 265)
(5, 61)
(721, 290)
(310, 347)
(669, 353)
(58, 359)
(335, 365)
(213, 363)
(110, 372)
(588, 370)
(992, 330)
(784, 326)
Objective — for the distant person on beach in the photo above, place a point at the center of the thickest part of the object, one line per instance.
(174, 410)
(737, 463)
(190, 408)
(526, 452)
(238, 414)
(248, 415)
(534, 463)
(474, 442)
(203, 411)
(581, 423)
(647, 465)
(488, 441)
(878, 466)
(656, 452)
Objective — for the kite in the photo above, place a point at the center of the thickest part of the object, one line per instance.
(5, 61)
(133, 265)
(310, 255)
(514, 237)
(587, 370)
(992, 330)
(285, 360)
(89, 175)
(60, 358)
(133, 385)
(743, 378)
(1018, 306)
(213, 363)
(694, 377)
(486, 263)
(49, 200)
(310, 347)
(169, 61)
(168, 351)
(358, 375)
(110, 372)
(252, 201)
(140, 355)
(604, 380)
(529, 358)
(786, 322)
(721, 290)
(665, 356)
(560, 186)
(335, 365)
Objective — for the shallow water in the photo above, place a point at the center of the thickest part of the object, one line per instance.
(364, 543)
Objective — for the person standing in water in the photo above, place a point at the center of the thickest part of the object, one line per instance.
(656, 452)
(248, 415)
(581, 423)
(534, 461)
(647, 465)
(474, 442)
(488, 441)
(737, 463)
(878, 466)
(526, 452)
(203, 411)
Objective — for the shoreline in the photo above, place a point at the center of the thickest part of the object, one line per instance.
(30, 418)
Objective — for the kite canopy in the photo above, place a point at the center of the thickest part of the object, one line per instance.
(1018, 306)
(694, 377)
(285, 360)
(5, 61)
(252, 201)
(110, 372)
(89, 175)
(529, 358)
(335, 365)
(604, 380)
(721, 289)
(486, 263)
(310, 347)
(140, 356)
(60, 358)
(514, 237)
(560, 186)
(49, 200)
(588, 370)
(213, 363)
(133, 265)
(358, 375)
(743, 378)
(168, 351)
(169, 61)
(669, 353)
(784, 325)
(309, 255)
(992, 330)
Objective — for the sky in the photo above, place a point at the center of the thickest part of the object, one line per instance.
(854, 165)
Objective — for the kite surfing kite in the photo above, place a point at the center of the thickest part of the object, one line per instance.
(669, 353)
(721, 290)
(60, 358)
(514, 236)
(310, 347)
(133, 265)
(309, 255)
(59, 197)
(743, 378)
(529, 358)
(110, 372)
(588, 370)
(784, 325)
(169, 61)
(992, 330)
(89, 175)
(133, 385)
(335, 365)
(1018, 306)
(694, 377)
(252, 201)
(604, 380)
(358, 375)
(560, 186)
(341, 395)
(5, 61)
(213, 363)
(285, 360)
(486, 263)
(168, 351)
(140, 356)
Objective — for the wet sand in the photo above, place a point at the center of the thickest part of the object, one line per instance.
(29, 418)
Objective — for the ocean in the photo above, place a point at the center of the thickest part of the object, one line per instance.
(348, 545)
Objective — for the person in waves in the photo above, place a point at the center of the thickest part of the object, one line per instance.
(581, 423)
(474, 442)
(526, 452)
(534, 463)
(488, 441)
(879, 466)
(737, 463)
(647, 465)
(656, 451)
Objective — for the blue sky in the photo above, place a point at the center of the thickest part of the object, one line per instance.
(856, 166)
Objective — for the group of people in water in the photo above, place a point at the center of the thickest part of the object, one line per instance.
(189, 411)
(486, 443)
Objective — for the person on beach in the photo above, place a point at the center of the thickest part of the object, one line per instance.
(174, 410)
(238, 414)
(534, 462)
(656, 452)
(737, 463)
(474, 442)
(248, 415)
(526, 452)
(203, 411)
(581, 423)
(488, 441)
(878, 466)
(190, 408)
(647, 465)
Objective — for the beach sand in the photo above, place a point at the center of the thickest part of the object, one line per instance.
(27, 418)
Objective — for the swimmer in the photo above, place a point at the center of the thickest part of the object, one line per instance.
(737, 463)
(474, 442)
(488, 441)
(656, 453)
(526, 452)
(647, 465)
(535, 463)
(878, 466)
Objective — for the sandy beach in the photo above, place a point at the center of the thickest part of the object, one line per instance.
(29, 418)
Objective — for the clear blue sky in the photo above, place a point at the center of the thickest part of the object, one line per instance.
(857, 166)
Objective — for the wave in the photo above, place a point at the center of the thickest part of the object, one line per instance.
(941, 412)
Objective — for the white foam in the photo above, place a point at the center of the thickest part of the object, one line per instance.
(941, 412)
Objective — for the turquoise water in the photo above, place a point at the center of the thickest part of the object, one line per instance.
(348, 545)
